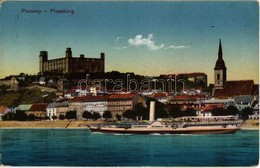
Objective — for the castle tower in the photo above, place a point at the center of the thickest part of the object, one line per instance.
(42, 58)
(68, 53)
(220, 69)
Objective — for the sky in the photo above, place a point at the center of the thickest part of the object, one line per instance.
(147, 38)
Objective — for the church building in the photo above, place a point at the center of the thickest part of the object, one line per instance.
(230, 89)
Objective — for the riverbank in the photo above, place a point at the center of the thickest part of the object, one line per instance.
(79, 124)
(46, 124)
(250, 125)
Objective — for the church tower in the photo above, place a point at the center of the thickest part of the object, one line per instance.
(220, 69)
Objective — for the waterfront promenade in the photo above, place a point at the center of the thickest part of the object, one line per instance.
(79, 124)
(46, 124)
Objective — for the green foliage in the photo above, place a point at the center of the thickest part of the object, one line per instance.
(218, 112)
(10, 99)
(189, 112)
(61, 117)
(54, 117)
(141, 111)
(231, 110)
(130, 114)
(107, 114)
(20, 116)
(71, 115)
(14, 98)
(87, 115)
(245, 112)
(8, 117)
(31, 117)
(175, 112)
(96, 116)
(118, 117)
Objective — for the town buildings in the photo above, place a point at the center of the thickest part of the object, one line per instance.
(70, 64)
(119, 103)
(38, 110)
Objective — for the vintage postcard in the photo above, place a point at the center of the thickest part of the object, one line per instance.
(129, 83)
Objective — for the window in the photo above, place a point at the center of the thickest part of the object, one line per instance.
(218, 76)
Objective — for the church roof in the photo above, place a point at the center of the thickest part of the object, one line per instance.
(220, 63)
(235, 88)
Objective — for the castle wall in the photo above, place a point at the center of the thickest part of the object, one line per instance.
(71, 64)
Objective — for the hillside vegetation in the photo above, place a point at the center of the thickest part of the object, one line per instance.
(14, 98)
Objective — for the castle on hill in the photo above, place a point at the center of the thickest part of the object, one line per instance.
(69, 64)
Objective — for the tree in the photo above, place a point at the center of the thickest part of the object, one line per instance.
(141, 111)
(61, 117)
(46, 118)
(130, 114)
(20, 116)
(175, 112)
(189, 112)
(231, 110)
(118, 117)
(8, 116)
(218, 112)
(31, 117)
(71, 115)
(87, 115)
(160, 111)
(245, 112)
(107, 114)
(96, 116)
(54, 117)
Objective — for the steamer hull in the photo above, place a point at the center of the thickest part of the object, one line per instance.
(221, 129)
(210, 131)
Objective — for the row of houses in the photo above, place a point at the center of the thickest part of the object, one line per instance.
(116, 104)
(119, 103)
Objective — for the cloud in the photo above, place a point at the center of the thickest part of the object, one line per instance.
(118, 38)
(176, 47)
(120, 48)
(148, 42)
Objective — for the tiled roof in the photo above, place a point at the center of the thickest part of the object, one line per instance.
(24, 107)
(210, 107)
(235, 88)
(157, 95)
(255, 90)
(89, 98)
(62, 104)
(3, 109)
(38, 107)
(189, 96)
(122, 96)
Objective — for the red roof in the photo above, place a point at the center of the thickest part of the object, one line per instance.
(156, 95)
(38, 107)
(89, 98)
(189, 96)
(255, 90)
(122, 96)
(193, 74)
(235, 88)
(3, 109)
(210, 107)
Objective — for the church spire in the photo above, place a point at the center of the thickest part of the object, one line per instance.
(220, 50)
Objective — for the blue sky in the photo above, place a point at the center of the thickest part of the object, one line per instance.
(147, 38)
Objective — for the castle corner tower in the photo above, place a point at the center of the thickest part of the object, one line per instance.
(220, 74)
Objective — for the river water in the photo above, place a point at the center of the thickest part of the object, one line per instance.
(79, 147)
